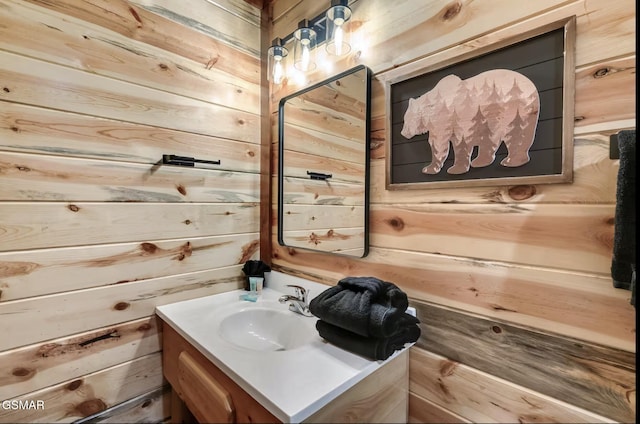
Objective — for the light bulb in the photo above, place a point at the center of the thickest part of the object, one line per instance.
(305, 57)
(278, 71)
(339, 37)
(304, 47)
(277, 54)
(338, 16)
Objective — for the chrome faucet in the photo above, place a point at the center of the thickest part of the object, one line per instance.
(298, 303)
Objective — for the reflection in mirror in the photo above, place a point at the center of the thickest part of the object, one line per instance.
(323, 167)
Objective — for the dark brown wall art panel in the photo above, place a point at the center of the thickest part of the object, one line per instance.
(500, 115)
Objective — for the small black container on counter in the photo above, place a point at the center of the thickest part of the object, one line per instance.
(254, 268)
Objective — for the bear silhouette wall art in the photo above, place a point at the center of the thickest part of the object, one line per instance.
(493, 107)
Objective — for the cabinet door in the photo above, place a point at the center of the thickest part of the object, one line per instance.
(183, 365)
(207, 400)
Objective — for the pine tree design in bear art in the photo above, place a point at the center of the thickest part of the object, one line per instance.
(485, 110)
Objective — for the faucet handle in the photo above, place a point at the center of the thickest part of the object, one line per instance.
(301, 292)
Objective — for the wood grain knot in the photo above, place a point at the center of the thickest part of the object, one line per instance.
(74, 385)
(211, 63)
(630, 395)
(522, 192)
(187, 222)
(136, 16)
(181, 189)
(121, 306)
(47, 350)
(73, 208)
(248, 250)
(163, 67)
(147, 403)
(610, 221)
(241, 121)
(15, 129)
(578, 118)
(90, 407)
(291, 251)
(251, 153)
(185, 251)
(447, 368)
(496, 329)
(452, 11)
(23, 168)
(23, 372)
(602, 72)
(85, 37)
(144, 327)
(443, 387)
(496, 307)
(148, 247)
(6, 90)
(396, 223)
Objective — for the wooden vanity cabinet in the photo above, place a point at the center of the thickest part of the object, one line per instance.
(207, 392)
(202, 392)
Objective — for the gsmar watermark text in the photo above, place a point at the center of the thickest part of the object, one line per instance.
(13, 405)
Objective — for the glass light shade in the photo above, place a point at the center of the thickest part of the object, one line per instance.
(304, 48)
(276, 61)
(338, 17)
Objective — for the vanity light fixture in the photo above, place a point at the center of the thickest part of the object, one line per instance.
(330, 26)
(338, 16)
(276, 57)
(304, 47)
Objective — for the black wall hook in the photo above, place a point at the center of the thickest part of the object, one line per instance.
(318, 175)
(185, 161)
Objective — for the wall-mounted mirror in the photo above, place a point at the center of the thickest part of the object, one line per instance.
(323, 165)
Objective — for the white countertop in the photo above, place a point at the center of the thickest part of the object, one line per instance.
(291, 384)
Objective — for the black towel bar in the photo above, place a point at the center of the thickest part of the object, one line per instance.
(185, 161)
(318, 175)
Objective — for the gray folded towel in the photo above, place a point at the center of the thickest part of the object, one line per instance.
(377, 348)
(624, 239)
(363, 305)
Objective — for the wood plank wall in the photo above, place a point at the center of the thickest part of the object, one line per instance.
(520, 320)
(94, 232)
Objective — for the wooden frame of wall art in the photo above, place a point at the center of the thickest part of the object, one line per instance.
(499, 114)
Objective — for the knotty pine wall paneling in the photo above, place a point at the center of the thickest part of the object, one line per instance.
(94, 232)
(520, 320)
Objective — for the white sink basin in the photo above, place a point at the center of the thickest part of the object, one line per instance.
(274, 354)
(268, 326)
